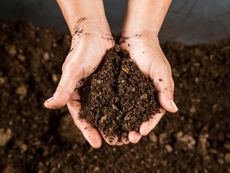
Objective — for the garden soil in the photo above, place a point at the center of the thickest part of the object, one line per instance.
(34, 139)
(118, 98)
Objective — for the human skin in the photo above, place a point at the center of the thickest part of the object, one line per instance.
(91, 37)
(140, 38)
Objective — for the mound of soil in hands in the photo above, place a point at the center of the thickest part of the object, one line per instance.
(33, 139)
(117, 98)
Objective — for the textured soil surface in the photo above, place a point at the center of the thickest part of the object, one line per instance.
(33, 139)
(117, 98)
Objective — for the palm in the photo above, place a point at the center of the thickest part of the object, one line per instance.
(86, 53)
(148, 56)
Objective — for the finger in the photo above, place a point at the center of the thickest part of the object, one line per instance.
(149, 125)
(111, 140)
(163, 82)
(90, 133)
(66, 86)
(134, 137)
(74, 69)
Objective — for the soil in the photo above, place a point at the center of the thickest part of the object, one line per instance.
(117, 98)
(33, 139)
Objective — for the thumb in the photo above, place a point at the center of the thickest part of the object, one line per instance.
(164, 85)
(65, 88)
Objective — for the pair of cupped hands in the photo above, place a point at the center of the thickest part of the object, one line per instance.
(90, 41)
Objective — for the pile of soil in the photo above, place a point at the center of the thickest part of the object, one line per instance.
(33, 139)
(118, 98)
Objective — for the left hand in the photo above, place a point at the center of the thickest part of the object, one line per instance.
(146, 53)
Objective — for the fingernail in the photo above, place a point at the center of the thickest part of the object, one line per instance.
(174, 105)
(50, 99)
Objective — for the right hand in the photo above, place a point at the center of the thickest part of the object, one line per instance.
(89, 44)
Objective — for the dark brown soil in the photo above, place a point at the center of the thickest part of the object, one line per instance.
(33, 139)
(117, 98)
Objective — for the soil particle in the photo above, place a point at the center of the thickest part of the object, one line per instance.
(46, 56)
(153, 137)
(117, 98)
(55, 78)
(11, 50)
(2, 80)
(5, 136)
(163, 138)
(160, 80)
(188, 140)
(23, 148)
(21, 90)
(168, 148)
(21, 57)
(227, 145)
(227, 157)
(193, 108)
(220, 161)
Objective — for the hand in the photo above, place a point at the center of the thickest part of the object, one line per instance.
(89, 44)
(91, 38)
(146, 53)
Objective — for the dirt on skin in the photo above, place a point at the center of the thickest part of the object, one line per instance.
(117, 98)
(33, 139)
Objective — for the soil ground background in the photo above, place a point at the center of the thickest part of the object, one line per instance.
(33, 139)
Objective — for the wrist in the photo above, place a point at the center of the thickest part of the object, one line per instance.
(145, 17)
(84, 13)
(140, 37)
(141, 32)
(90, 25)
